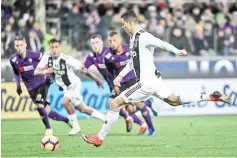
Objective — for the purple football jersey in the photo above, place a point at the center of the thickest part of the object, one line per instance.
(99, 62)
(25, 68)
(118, 62)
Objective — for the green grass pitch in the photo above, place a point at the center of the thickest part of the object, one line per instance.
(175, 136)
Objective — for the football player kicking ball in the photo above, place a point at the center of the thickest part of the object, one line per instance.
(97, 58)
(62, 67)
(116, 58)
(23, 63)
(149, 81)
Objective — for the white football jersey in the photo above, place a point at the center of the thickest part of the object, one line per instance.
(63, 67)
(142, 45)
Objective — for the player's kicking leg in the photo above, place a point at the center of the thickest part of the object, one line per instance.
(38, 96)
(45, 119)
(175, 100)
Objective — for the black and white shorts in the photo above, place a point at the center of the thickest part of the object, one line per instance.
(144, 89)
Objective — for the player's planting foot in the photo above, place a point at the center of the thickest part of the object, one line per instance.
(90, 139)
(151, 132)
(48, 132)
(128, 125)
(143, 129)
(74, 131)
(217, 96)
(150, 105)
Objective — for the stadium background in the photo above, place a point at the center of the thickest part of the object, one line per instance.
(206, 29)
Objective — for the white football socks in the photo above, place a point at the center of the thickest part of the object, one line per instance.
(111, 118)
(73, 120)
(98, 115)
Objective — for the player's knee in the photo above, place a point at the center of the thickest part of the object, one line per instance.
(114, 105)
(130, 109)
(173, 100)
(66, 102)
(140, 105)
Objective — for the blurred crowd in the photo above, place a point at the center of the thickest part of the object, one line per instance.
(203, 29)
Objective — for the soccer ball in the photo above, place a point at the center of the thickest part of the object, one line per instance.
(50, 143)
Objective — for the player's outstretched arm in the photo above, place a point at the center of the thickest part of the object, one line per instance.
(17, 79)
(149, 39)
(92, 76)
(40, 71)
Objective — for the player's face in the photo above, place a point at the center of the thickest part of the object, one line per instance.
(126, 25)
(96, 45)
(55, 49)
(20, 46)
(115, 41)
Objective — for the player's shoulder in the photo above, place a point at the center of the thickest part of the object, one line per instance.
(65, 56)
(90, 55)
(108, 53)
(47, 54)
(13, 58)
(145, 34)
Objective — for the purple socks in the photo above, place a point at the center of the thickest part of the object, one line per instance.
(123, 113)
(146, 115)
(136, 119)
(44, 117)
(56, 116)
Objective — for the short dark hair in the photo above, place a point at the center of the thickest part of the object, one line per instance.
(129, 15)
(54, 40)
(112, 33)
(96, 36)
(20, 38)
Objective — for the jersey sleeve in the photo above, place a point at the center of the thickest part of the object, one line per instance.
(88, 62)
(149, 39)
(16, 72)
(74, 63)
(44, 61)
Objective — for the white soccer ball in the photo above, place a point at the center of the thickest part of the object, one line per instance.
(49, 143)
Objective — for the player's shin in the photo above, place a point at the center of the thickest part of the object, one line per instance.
(146, 115)
(136, 119)
(123, 113)
(193, 98)
(44, 117)
(111, 117)
(74, 122)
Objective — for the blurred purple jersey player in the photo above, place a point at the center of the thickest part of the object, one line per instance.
(23, 63)
(96, 58)
(117, 56)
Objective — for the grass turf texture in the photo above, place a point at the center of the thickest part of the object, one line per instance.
(175, 136)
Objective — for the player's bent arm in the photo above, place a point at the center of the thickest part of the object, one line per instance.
(149, 39)
(40, 71)
(92, 76)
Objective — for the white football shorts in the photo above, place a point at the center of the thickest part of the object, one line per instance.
(143, 90)
(74, 93)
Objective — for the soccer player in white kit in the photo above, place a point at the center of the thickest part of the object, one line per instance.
(62, 67)
(149, 81)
